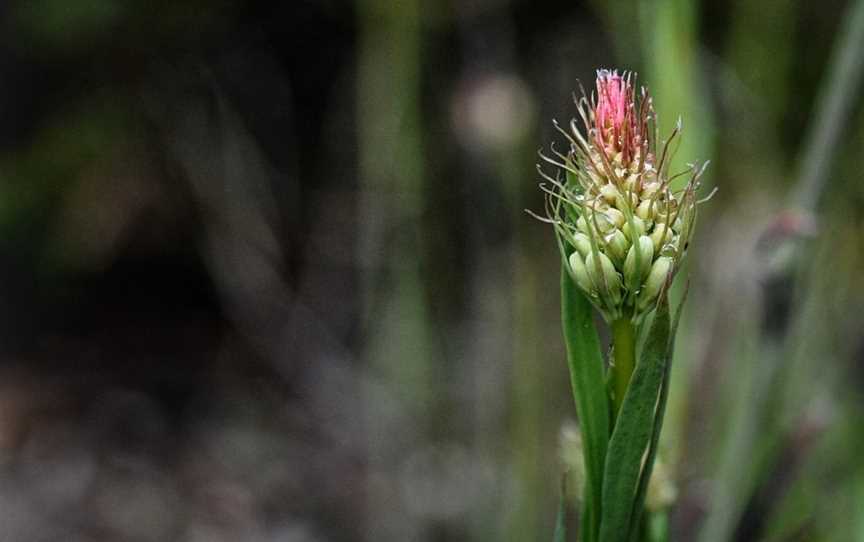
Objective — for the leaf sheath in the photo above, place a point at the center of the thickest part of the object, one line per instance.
(585, 362)
(633, 433)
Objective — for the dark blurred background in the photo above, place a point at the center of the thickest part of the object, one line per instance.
(266, 274)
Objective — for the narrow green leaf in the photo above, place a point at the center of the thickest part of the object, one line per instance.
(585, 361)
(642, 490)
(633, 431)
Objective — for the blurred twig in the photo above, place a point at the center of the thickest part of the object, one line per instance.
(749, 439)
(836, 99)
(391, 251)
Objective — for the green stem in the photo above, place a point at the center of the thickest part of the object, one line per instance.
(624, 358)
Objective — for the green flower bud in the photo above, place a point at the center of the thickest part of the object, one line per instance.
(580, 273)
(638, 226)
(586, 222)
(618, 245)
(655, 281)
(621, 201)
(606, 279)
(671, 247)
(582, 224)
(645, 210)
(632, 275)
(649, 190)
(604, 221)
(664, 216)
(609, 192)
(582, 243)
(615, 216)
(661, 235)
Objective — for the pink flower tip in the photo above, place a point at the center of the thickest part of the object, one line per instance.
(614, 97)
(618, 126)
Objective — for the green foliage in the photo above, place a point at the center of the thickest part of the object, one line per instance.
(589, 392)
(642, 489)
(616, 475)
(632, 436)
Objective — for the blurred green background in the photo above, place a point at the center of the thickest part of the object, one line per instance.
(266, 274)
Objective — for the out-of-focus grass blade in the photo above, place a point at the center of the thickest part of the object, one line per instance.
(658, 527)
(634, 430)
(642, 490)
(561, 522)
(585, 361)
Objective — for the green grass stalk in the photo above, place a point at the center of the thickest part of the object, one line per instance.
(624, 360)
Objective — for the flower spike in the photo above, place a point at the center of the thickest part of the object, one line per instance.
(622, 229)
